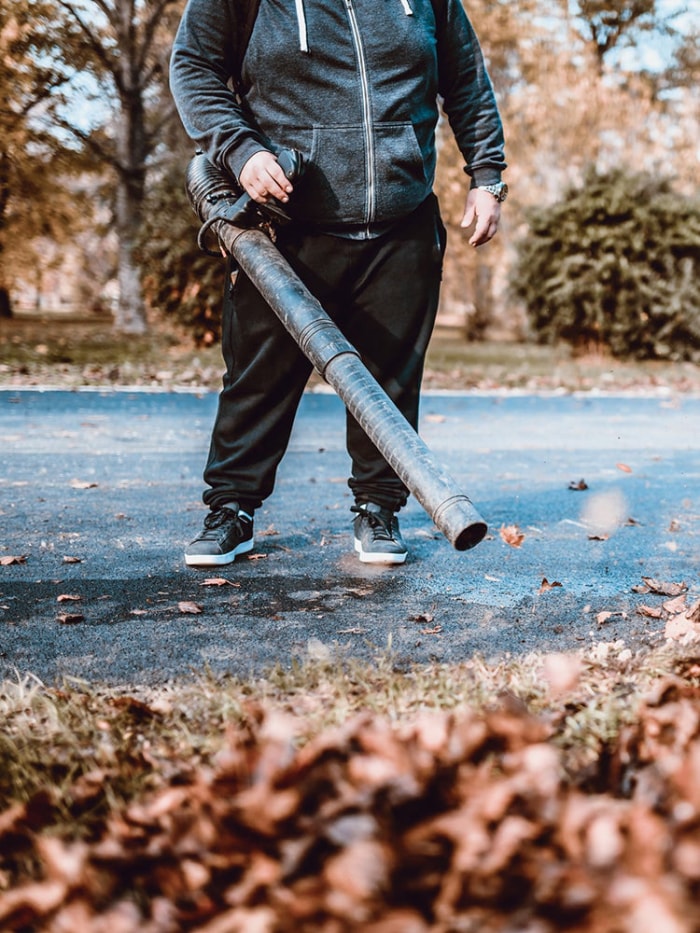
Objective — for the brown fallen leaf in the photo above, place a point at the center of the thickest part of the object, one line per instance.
(189, 607)
(693, 612)
(82, 484)
(133, 706)
(33, 900)
(602, 617)
(624, 467)
(218, 581)
(13, 559)
(256, 556)
(675, 605)
(663, 588)
(602, 537)
(649, 612)
(421, 617)
(546, 585)
(72, 560)
(580, 485)
(512, 535)
(86, 788)
(682, 625)
(68, 598)
(435, 630)
(70, 618)
(270, 531)
(562, 672)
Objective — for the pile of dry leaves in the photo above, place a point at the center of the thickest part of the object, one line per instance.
(462, 821)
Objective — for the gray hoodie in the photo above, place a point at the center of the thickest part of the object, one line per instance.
(353, 84)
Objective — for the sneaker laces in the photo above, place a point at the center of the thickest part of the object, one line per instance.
(220, 517)
(379, 522)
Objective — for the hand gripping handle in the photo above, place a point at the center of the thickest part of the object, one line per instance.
(237, 208)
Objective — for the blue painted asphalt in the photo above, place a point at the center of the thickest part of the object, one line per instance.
(112, 478)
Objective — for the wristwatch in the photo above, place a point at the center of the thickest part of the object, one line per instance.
(499, 190)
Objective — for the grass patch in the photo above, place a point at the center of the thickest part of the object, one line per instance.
(33, 342)
(73, 352)
(454, 363)
(99, 748)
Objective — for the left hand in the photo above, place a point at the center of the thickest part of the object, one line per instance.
(484, 211)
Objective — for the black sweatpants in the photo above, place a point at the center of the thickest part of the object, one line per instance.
(383, 294)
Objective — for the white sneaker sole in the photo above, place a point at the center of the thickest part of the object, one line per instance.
(368, 557)
(219, 560)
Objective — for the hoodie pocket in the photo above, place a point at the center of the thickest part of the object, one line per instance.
(400, 176)
(333, 188)
(350, 178)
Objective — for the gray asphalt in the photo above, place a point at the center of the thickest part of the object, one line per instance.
(113, 478)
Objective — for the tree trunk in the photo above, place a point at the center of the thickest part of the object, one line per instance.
(5, 303)
(130, 314)
(132, 154)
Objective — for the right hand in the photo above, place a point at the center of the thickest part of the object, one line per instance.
(262, 177)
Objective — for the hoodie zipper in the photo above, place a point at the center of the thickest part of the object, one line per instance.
(301, 23)
(366, 114)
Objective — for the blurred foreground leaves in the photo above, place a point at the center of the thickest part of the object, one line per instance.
(490, 819)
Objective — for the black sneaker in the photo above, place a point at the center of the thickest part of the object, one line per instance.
(227, 532)
(377, 536)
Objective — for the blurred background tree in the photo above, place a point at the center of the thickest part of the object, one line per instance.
(124, 46)
(182, 282)
(41, 195)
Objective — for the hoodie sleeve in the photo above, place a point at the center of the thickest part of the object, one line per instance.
(202, 66)
(467, 94)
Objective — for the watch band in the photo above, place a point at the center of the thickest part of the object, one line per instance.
(499, 190)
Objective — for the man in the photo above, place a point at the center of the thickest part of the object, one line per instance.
(354, 86)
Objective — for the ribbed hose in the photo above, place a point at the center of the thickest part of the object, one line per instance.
(337, 361)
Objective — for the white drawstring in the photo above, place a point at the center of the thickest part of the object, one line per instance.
(301, 20)
(406, 8)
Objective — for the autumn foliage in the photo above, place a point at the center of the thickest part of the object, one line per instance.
(455, 821)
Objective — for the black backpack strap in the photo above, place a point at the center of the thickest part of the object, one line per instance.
(440, 11)
(243, 16)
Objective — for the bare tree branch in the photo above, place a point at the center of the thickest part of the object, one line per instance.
(93, 40)
(155, 133)
(150, 26)
(91, 142)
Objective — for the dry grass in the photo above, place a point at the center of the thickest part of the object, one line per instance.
(115, 745)
(72, 353)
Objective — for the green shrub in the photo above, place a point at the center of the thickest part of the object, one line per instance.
(179, 280)
(615, 264)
